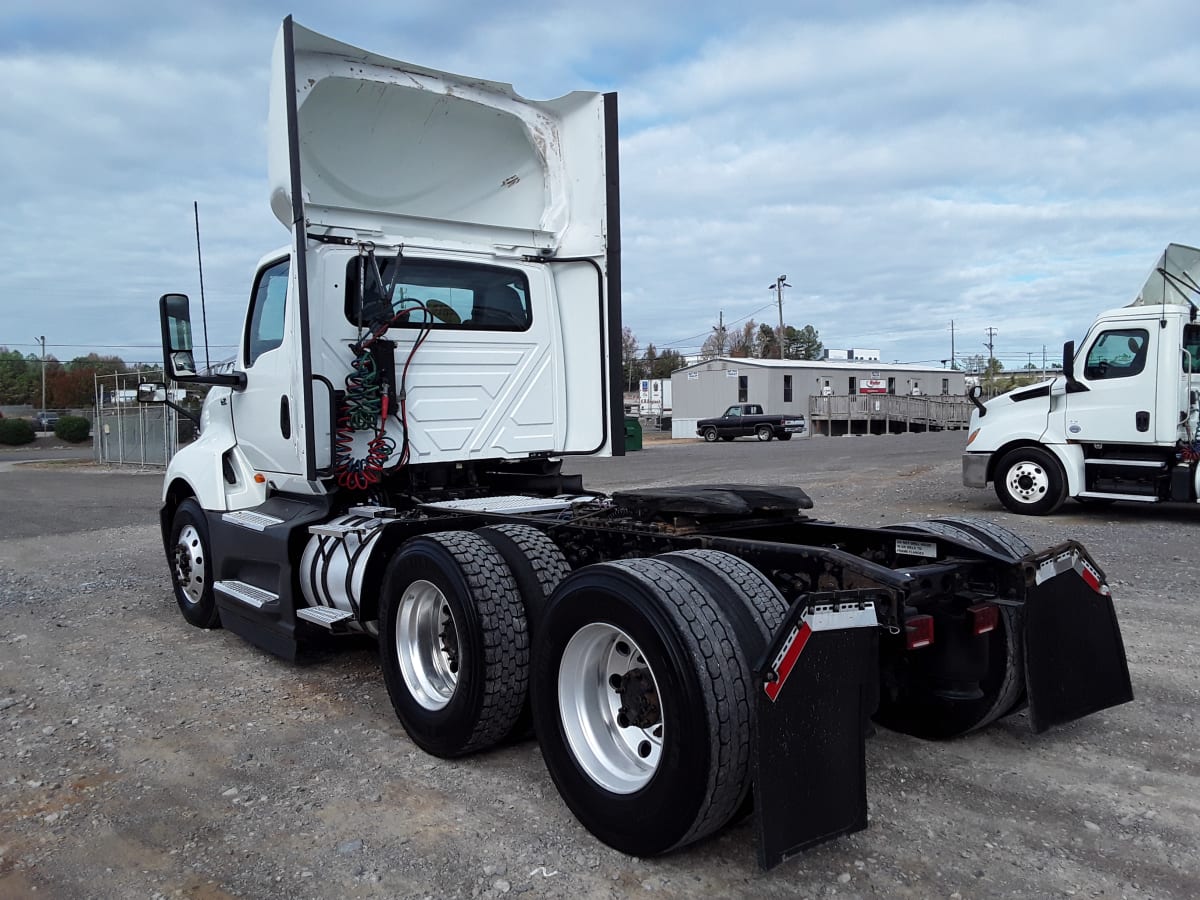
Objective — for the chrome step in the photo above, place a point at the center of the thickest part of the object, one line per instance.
(246, 593)
(249, 519)
(1126, 463)
(341, 530)
(1097, 495)
(326, 616)
(373, 512)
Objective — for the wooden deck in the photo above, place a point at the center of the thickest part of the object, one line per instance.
(886, 413)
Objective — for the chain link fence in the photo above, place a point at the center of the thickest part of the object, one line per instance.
(128, 433)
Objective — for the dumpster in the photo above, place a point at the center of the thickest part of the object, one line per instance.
(633, 433)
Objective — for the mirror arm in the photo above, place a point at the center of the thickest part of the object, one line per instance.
(195, 419)
(237, 380)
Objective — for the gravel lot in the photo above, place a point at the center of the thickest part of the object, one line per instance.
(141, 757)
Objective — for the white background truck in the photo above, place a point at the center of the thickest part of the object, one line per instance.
(386, 459)
(1120, 423)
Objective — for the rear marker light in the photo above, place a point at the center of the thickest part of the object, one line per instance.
(984, 618)
(918, 632)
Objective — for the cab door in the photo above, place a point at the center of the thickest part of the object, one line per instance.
(1119, 368)
(268, 412)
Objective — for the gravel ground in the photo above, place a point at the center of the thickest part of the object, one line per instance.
(141, 757)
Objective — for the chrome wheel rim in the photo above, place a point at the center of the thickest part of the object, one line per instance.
(427, 645)
(189, 564)
(610, 707)
(1027, 482)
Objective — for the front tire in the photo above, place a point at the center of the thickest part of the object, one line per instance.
(1030, 482)
(191, 566)
(711, 435)
(641, 701)
(453, 643)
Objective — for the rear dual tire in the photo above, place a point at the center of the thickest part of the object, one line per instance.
(642, 691)
(907, 704)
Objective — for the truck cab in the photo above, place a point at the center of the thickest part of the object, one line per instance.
(1120, 423)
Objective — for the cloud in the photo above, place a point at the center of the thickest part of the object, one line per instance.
(995, 164)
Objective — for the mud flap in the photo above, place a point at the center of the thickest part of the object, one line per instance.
(1074, 657)
(816, 687)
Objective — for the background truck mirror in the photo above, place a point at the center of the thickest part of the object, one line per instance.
(152, 392)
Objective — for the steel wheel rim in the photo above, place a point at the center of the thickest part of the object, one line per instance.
(427, 645)
(620, 758)
(189, 564)
(1027, 482)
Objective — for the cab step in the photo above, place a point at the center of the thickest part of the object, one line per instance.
(325, 616)
(245, 593)
(1099, 495)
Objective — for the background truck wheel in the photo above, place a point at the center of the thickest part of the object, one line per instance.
(906, 704)
(453, 642)
(710, 435)
(1030, 481)
(786, 436)
(764, 432)
(641, 701)
(191, 566)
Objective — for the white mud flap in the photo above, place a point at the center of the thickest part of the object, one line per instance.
(816, 687)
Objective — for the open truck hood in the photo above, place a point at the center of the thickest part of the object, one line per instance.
(1175, 279)
(378, 148)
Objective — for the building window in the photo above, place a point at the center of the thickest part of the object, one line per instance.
(852, 388)
(891, 385)
(787, 388)
(945, 385)
(743, 388)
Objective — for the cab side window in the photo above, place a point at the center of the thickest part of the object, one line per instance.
(264, 327)
(1120, 353)
(1191, 344)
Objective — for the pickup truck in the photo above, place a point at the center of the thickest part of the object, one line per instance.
(744, 419)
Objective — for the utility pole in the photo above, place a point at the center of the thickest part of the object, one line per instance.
(777, 287)
(952, 364)
(991, 333)
(42, 339)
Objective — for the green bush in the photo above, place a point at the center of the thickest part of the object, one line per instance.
(73, 429)
(15, 431)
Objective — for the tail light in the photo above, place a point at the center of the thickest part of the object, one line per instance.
(984, 618)
(918, 632)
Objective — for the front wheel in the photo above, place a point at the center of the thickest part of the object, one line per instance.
(764, 432)
(191, 566)
(453, 643)
(641, 698)
(711, 435)
(1030, 481)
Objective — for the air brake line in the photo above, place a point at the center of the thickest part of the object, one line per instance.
(368, 399)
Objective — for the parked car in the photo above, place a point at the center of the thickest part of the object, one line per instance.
(745, 419)
(45, 421)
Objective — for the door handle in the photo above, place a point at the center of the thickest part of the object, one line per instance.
(285, 417)
(1142, 420)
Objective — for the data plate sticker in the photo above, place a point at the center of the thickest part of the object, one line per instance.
(916, 548)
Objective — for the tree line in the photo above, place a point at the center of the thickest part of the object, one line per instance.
(69, 385)
(751, 341)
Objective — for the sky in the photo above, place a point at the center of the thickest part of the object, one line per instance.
(1015, 166)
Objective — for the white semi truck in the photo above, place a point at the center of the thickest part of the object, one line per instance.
(1123, 420)
(386, 459)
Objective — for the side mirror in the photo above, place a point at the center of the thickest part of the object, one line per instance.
(178, 361)
(973, 394)
(151, 392)
(1073, 386)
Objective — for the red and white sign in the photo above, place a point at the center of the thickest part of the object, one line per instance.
(872, 386)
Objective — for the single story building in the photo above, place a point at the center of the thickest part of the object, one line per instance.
(810, 387)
